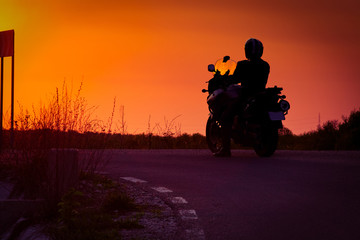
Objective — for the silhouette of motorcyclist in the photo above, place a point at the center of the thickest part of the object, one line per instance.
(253, 74)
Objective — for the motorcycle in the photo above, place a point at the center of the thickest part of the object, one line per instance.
(259, 120)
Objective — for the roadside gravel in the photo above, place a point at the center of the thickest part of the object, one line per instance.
(158, 218)
(161, 219)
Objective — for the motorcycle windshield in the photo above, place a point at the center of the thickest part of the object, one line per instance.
(223, 67)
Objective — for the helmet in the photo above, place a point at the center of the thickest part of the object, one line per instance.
(253, 49)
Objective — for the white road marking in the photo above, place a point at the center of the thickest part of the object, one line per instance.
(134, 180)
(162, 189)
(188, 214)
(178, 200)
(195, 234)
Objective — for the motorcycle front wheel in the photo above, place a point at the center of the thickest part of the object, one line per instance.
(267, 142)
(213, 135)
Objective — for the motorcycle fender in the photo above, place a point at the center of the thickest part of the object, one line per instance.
(276, 116)
(214, 95)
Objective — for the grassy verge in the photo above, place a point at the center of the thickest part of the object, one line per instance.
(97, 209)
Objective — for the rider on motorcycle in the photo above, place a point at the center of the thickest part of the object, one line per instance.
(253, 75)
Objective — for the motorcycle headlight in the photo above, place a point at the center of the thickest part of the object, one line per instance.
(284, 105)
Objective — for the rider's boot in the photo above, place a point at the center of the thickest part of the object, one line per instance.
(223, 153)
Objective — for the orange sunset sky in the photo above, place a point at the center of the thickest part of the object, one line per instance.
(153, 55)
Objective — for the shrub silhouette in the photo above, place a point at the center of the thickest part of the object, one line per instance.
(332, 135)
(349, 132)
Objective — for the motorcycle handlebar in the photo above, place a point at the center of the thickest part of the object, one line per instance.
(278, 89)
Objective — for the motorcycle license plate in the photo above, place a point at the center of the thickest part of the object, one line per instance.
(275, 116)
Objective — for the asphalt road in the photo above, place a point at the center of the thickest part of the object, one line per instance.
(292, 195)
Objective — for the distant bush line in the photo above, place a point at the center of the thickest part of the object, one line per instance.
(332, 135)
(91, 140)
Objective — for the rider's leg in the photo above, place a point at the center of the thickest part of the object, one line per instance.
(226, 122)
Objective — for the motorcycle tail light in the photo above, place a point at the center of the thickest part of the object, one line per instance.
(284, 105)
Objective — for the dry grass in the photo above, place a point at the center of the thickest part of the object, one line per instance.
(65, 121)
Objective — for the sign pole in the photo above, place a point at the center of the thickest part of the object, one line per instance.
(12, 98)
(2, 103)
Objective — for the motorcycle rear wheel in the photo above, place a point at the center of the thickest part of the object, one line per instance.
(213, 135)
(267, 143)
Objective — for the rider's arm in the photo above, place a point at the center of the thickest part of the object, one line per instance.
(236, 77)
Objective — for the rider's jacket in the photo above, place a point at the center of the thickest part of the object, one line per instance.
(252, 74)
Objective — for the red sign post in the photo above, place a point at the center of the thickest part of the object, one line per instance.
(7, 50)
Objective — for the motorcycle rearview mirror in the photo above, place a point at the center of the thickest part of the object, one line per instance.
(211, 68)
